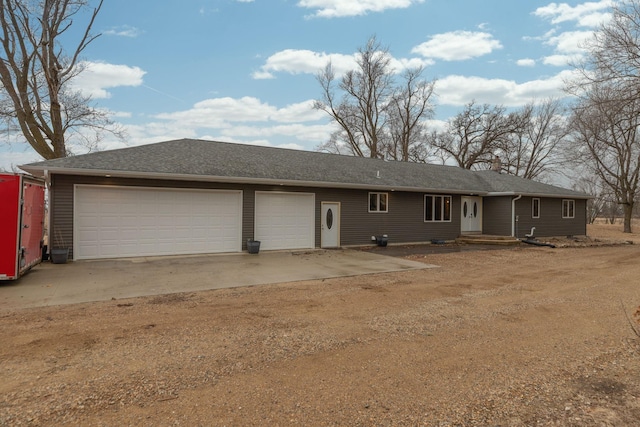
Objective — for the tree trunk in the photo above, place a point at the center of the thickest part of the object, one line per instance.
(628, 213)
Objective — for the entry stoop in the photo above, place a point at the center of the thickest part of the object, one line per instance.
(487, 239)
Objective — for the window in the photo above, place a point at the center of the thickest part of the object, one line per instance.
(378, 202)
(437, 208)
(535, 208)
(568, 209)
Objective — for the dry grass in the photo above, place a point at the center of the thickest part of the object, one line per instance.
(601, 230)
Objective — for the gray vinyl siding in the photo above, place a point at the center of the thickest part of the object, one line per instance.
(551, 222)
(496, 216)
(403, 223)
(61, 215)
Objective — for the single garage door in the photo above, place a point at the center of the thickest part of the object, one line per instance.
(285, 220)
(112, 222)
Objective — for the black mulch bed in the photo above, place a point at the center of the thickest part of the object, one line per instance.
(427, 249)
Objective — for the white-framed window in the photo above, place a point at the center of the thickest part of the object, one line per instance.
(437, 208)
(379, 202)
(568, 208)
(535, 208)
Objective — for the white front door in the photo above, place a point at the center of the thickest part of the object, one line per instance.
(471, 215)
(330, 235)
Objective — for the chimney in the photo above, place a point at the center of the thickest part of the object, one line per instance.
(496, 164)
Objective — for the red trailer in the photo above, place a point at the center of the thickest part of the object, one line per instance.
(21, 224)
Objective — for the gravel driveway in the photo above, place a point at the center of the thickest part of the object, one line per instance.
(515, 337)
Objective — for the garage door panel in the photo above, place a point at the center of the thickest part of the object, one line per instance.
(133, 221)
(285, 220)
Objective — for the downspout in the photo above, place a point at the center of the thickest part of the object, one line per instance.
(47, 179)
(513, 214)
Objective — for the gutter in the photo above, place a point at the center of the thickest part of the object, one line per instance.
(548, 195)
(513, 214)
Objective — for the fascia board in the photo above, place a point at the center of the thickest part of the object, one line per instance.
(41, 171)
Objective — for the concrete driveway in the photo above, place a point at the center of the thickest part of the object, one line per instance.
(84, 281)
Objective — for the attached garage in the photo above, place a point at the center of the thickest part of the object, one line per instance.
(285, 220)
(113, 222)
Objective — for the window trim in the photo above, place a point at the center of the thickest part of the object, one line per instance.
(378, 194)
(533, 207)
(443, 210)
(571, 208)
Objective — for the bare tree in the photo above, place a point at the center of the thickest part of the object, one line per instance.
(602, 197)
(474, 135)
(375, 118)
(360, 112)
(409, 107)
(35, 73)
(607, 116)
(607, 138)
(611, 211)
(534, 147)
(613, 54)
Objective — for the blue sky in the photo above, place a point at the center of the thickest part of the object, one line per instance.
(244, 71)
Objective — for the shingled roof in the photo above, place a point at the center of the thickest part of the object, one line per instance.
(200, 160)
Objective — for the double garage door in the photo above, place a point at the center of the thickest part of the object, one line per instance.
(111, 222)
(115, 222)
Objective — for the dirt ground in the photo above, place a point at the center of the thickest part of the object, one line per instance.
(528, 336)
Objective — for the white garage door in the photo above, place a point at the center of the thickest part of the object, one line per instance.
(285, 220)
(111, 222)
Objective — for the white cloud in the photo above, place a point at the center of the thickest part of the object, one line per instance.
(293, 61)
(436, 125)
(399, 65)
(589, 14)
(9, 161)
(299, 112)
(295, 136)
(459, 90)
(262, 75)
(342, 8)
(245, 120)
(458, 45)
(559, 60)
(307, 133)
(121, 114)
(96, 77)
(568, 47)
(569, 42)
(526, 62)
(123, 31)
(223, 113)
